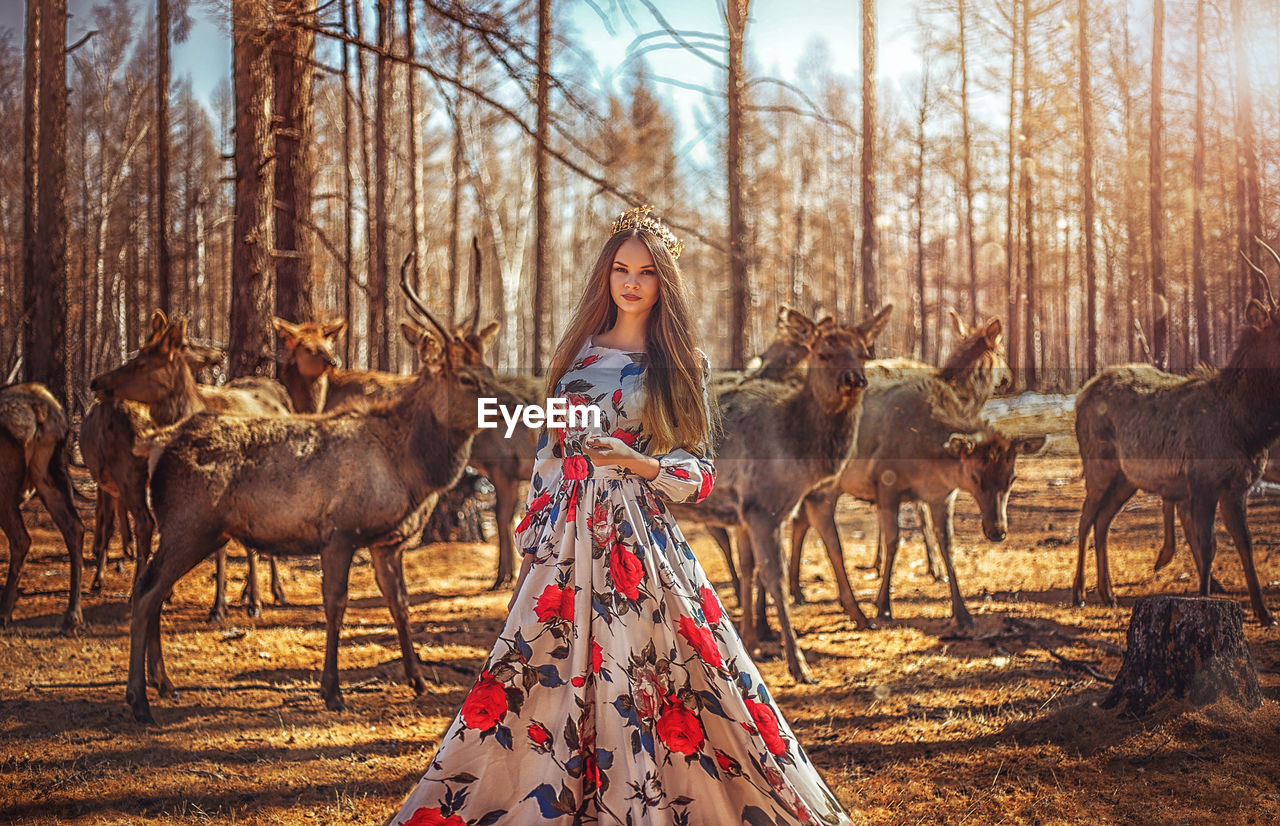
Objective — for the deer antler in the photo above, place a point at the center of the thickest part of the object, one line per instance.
(1259, 275)
(415, 302)
(1267, 284)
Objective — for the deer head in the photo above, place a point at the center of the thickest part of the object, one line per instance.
(157, 370)
(987, 461)
(309, 346)
(838, 354)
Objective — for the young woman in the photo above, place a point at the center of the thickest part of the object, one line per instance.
(618, 691)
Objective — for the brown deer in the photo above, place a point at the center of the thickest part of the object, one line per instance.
(160, 377)
(108, 433)
(33, 457)
(1199, 441)
(219, 478)
(917, 441)
(973, 372)
(781, 441)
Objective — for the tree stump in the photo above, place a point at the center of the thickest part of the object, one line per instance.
(1189, 648)
(458, 516)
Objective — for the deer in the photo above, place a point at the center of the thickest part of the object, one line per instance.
(108, 433)
(779, 442)
(161, 378)
(918, 440)
(1199, 441)
(216, 478)
(33, 458)
(973, 372)
(310, 373)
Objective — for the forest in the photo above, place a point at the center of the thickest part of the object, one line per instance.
(1089, 171)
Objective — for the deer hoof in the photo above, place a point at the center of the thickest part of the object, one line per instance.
(72, 623)
(143, 715)
(279, 597)
(418, 685)
(335, 703)
(217, 614)
(802, 675)
(254, 609)
(96, 585)
(165, 689)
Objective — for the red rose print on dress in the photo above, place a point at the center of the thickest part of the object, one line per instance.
(537, 505)
(626, 436)
(767, 724)
(702, 641)
(708, 479)
(433, 817)
(539, 735)
(710, 605)
(627, 572)
(597, 657)
(679, 730)
(486, 705)
(576, 468)
(555, 603)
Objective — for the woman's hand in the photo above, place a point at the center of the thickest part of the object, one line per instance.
(610, 450)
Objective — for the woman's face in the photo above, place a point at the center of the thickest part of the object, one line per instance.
(633, 282)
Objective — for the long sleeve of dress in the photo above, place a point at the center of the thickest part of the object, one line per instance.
(686, 476)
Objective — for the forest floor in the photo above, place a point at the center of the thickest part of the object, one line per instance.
(909, 723)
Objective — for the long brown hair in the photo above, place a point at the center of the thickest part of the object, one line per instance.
(675, 413)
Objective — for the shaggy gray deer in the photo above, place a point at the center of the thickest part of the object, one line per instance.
(973, 371)
(160, 377)
(33, 457)
(108, 433)
(918, 441)
(1199, 441)
(269, 483)
(779, 442)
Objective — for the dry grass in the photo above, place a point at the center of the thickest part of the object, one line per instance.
(909, 724)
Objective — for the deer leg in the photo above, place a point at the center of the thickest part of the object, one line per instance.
(19, 544)
(721, 536)
(887, 512)
(822, 510)
(1093, 500)
(1170, 544)
(937, 569)
(218, 611)
(152, 586)
(766, 541)
(1184, 517)
(104, 517)
(504, 510)
(1121, 492)
(946, 509)
(335, 573)
(145, 526)
(1201, 512)
(250, 589)
(767, 634)
(1232, 508)
(54, 489)
(277, 583)
(799, 529)
(747, 590)
(388, 570)
(126, 535)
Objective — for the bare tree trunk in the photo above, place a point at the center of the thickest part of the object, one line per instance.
(1025, 184)
(252, 283)
(922, 114)
(379, 311)
(1200, 294)
(348, 190)
(736, 17)
(415, 172)
(870, 287)
(542, 221)
(1012, 271)
(967, 140)
(45, 291)
(292, 62)
(32, 106)
(1086, 190)
(1250, 224)
(1130, 222)
(455, 201)
(1155, 188)
(164, 266)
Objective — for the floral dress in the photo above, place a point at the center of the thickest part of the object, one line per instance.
(618, 691)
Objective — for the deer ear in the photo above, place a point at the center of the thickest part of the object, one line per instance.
(959, 445)
(412, 333)
(333, 329)
(158, 323)
(874, 326)
(957, 322)
(488, 333)
(1029, 444)
(795, 325)
(993, 331)
(288, 331)
(1256, 314)
(174, 337)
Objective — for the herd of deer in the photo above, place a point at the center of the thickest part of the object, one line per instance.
(328, 461)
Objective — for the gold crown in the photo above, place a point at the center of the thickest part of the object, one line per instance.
(639, 218)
